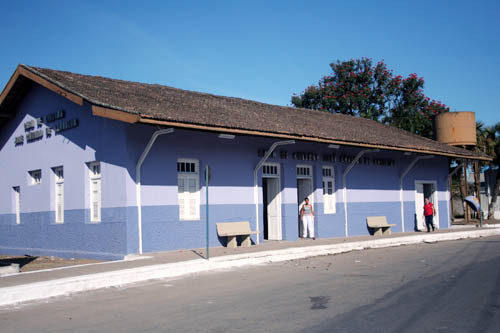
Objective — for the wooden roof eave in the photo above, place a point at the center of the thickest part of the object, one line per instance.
(136, 118)
(23, 71)
(150, 121)
(129, 117)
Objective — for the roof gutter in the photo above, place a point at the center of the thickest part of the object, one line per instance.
(138, 179)
(403, 174)
(117, 113)
(256, 185)
(304, 138)
(344, 176)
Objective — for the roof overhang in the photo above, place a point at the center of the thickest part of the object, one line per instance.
(25, 75)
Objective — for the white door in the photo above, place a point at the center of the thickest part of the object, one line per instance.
(273, 209)
(60, 203)
(425, 189)
(17, 200)
(419, 205)
(436, 206)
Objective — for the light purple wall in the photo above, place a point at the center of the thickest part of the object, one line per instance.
(371, 189)
(95, 138)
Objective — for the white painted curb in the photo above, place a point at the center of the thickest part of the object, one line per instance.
(66, 286)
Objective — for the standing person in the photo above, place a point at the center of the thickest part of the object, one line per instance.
(429, 213)
(307, 217)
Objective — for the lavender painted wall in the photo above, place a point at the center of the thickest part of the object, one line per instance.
(94, 139)
(371, 189)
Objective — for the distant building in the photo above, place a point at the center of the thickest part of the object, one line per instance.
(71, 146)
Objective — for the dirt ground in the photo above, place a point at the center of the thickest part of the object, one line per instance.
(461, 221)
(33, 263)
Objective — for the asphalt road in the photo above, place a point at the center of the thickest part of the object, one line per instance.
(449, 286)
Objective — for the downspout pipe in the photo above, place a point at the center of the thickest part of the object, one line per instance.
(344, 176)
(138, 179)
(403, 174)
(449, 190)
(255, 183)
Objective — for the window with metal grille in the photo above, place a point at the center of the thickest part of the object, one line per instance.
(36, 176)
(16, 191)
(270, 170)
(304, 171)
(187, 167)
(329, 190)
(188, 190)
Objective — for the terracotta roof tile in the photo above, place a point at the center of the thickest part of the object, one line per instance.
(166, 103)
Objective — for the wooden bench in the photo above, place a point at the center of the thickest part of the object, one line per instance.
(233, 229)
(379, 225)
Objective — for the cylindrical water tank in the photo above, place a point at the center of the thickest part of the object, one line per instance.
(456, 128)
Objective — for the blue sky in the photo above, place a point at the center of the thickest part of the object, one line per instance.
(262, 50)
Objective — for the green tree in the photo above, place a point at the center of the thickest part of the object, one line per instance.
(359, 88)
(488, 142)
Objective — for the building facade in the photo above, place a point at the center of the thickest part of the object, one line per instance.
(70, 185)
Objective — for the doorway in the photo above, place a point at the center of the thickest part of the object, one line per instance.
(304, 190)
(425, 189)
(271, 199)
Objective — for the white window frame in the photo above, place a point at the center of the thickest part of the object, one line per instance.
(188, 201)
(35, 176)
(59, 194)
(329, 199)
(95, 196)
(16, 192)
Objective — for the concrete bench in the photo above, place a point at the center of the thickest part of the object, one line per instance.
(233, 229)
(379, 225)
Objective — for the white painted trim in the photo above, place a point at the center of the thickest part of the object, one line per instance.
(95, 176)
(73, 284)
(436, 200)
(333, 197)
(403, 174)
(186, 177)
(278, 198)
(17, 203)
(58, 186)
(256, 184)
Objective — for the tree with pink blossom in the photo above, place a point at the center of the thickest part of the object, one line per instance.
(360, 88)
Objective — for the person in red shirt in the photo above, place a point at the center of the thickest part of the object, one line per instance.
(429, 213)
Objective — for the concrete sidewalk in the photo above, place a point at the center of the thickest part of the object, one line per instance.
(32, 286)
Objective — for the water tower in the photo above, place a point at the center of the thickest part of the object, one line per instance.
(456, 128)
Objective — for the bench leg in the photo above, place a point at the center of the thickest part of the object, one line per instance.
(231, 241)
(378, 232)
(246, 242)
(386, 231)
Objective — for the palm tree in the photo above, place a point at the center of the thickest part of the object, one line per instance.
(494, 144)
(488, 142)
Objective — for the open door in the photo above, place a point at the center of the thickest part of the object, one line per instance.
(425, 189)
(304, 190)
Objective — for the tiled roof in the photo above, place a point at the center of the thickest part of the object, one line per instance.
(176, 106)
